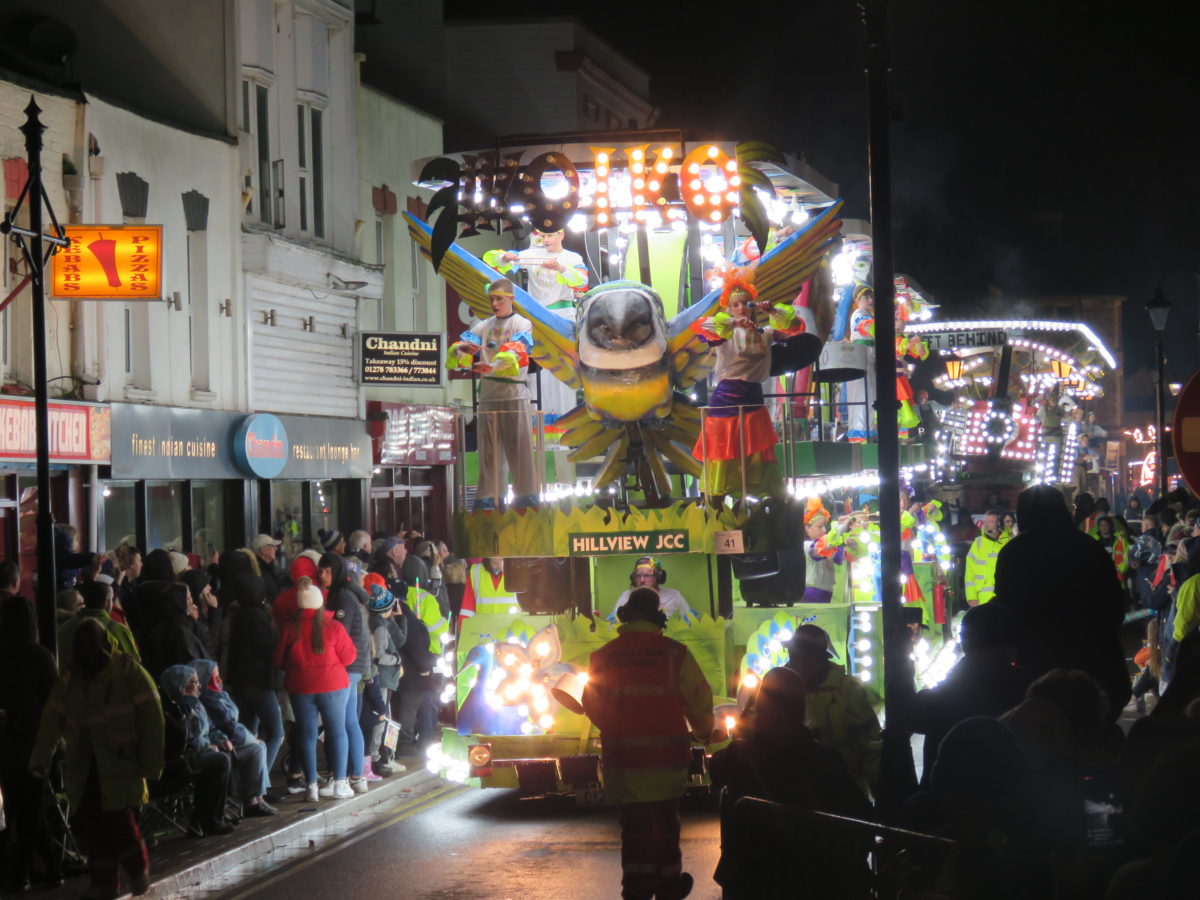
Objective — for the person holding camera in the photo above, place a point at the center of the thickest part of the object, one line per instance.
(737, 440)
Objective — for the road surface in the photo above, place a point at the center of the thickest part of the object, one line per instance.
(454, 843)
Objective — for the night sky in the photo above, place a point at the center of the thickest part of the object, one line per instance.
(1038, 148)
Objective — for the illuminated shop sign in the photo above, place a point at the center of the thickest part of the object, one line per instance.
(79, 432)
(109, 262)
(261, 446)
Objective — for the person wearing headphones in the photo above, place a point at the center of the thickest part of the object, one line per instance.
(648, 572)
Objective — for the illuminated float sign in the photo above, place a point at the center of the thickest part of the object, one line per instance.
(645, 183)
(402, 359)
(954, 340)
(261, 446)
(607, 544)
(109, 262)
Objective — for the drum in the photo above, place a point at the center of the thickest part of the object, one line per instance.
(842, 361)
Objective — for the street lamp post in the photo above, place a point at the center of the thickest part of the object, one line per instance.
(1159, 309)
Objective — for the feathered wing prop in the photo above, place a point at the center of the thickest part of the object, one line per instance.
(554, 337)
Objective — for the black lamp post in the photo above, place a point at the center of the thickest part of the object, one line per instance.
(1159, 309)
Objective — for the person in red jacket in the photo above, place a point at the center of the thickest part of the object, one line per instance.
(643, 692)
(313, 652)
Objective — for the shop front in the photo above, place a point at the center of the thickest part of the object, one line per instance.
(209, 480)
(413, 450)
(79, 442)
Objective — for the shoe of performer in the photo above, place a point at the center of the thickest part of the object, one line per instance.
(525, 501)
(311, 794)
(484, 504)
(359, 784)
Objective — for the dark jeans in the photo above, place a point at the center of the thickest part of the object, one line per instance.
(651, 861)
(258, 710)
(416, 713)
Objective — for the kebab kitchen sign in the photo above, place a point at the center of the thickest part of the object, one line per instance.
(109, 262)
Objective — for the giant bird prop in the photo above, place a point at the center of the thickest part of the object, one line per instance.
(633, 366)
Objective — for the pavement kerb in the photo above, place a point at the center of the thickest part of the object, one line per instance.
(326, 814)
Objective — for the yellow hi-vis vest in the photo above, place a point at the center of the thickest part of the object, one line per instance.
(425, 607)
(490, 598)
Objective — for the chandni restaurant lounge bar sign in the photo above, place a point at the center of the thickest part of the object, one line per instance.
(109, 262)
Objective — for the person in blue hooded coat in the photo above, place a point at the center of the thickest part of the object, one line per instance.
(183, 685)
(225, 718)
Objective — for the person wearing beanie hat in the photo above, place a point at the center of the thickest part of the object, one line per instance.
(348, 602)
(313, 652)
(648, 696)
(332, 541)
(179, 562)
(389, 630)
(303, 566)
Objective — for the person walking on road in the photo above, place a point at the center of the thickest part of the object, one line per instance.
(649, 698)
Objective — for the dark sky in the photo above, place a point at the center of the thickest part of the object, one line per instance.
(1038, 148)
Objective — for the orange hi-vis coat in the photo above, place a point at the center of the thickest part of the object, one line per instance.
(643, 691)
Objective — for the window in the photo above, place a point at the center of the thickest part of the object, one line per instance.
(378, 241)
(256, 122)
(198, 307)
(310, 134)
(208, 517)
(323, 499)
(119, 514)
(164, 515)
(287, 517)
(128, 340)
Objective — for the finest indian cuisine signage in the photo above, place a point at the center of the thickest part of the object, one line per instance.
(168, 442)
(109, 262)
(402, 358)
(675, 541)
(79, 432)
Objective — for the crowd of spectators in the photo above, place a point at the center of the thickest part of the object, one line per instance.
(180, 676)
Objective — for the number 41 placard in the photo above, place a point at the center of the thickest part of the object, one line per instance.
(729, 542)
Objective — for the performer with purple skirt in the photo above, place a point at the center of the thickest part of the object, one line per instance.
(737, 441)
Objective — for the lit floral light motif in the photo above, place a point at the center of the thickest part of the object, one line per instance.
(523, 675)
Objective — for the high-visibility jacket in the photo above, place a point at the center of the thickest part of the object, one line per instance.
(486, 595)
(1187, 609)
(425, 606)
(642, 692)
(980, 571)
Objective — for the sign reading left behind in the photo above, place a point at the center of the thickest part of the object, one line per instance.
(109, 262)
(406, 358)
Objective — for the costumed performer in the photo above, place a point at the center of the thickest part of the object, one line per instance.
(826, 551)
(737, 431)
(497, 349)
(908, 416)
(556, 278)
(862, 331)
(648, 572)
